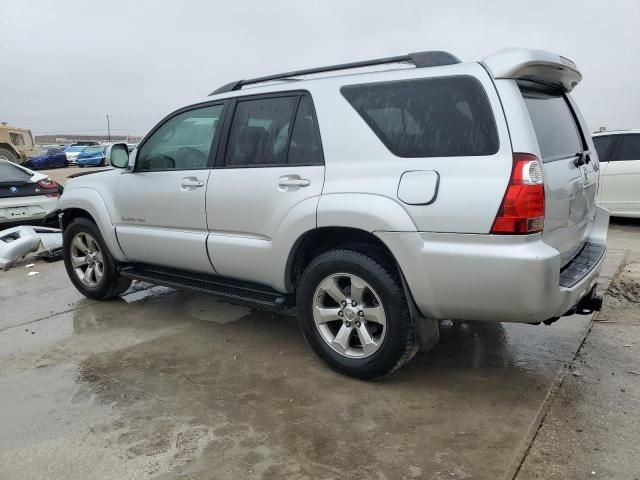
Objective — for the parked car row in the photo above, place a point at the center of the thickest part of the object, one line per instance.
(82, 154)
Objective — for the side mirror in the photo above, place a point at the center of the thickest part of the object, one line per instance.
(117, 155)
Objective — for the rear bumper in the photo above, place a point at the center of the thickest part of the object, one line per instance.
(35, 207)
(491, 277)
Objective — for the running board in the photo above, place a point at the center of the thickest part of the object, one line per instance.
(238, 291)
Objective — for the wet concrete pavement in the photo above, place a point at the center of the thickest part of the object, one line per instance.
(166, 384)
(592, 427)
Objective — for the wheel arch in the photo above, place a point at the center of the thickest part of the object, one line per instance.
(86, 202)
(319, 240)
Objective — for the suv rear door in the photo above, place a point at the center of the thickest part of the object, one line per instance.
(270, 165)
(570, 168)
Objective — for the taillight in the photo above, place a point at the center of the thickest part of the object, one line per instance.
(49, 187)
(522, 208)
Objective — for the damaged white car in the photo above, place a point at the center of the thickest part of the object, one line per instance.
(25, 196)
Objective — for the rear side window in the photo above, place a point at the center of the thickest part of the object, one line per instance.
(629, 148)
(604, 145)
(432, 117)
(554, 123)
(260, 132)
(305, 148)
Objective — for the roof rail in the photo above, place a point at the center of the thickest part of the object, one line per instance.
(419, 59)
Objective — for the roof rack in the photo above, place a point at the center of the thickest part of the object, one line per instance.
(419, 59)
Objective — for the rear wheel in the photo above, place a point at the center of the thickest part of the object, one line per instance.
(89, 264)
(353, 312)
(8, 155)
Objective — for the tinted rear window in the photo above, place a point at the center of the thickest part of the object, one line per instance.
(554, 124)
(433, 117)
(630, 148)
(603, 147)
(9, 173)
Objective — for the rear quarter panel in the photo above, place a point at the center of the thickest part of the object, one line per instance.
(358, 163)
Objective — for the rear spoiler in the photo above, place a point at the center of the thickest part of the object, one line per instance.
(536, 65)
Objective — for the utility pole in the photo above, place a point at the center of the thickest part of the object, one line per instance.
(108, 129)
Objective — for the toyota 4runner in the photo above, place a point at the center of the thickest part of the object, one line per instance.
(377, 197)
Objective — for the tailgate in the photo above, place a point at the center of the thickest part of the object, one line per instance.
(570, 170)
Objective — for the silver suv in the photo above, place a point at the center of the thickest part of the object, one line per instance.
(376, 196)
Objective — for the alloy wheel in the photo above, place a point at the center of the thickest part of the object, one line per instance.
(87, 260)
(349, 315)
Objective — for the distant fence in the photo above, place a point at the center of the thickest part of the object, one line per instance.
(66, 138)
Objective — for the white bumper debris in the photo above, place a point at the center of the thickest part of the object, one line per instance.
(17, 242)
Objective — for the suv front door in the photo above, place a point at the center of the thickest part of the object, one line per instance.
(270, 171)
(161, 204)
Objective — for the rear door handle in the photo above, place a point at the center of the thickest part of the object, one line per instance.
(293, 182)
(191, 183)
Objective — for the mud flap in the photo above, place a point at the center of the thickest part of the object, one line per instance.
(428, 330)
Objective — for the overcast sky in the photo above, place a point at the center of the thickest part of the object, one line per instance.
(68, 63)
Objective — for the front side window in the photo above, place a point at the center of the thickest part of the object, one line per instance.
(553, 121)
(259, 132)
(604, 145)
(17, 139)
(182, 143)
(630, 147)
(430, 117)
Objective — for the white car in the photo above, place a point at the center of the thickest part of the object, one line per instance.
(619, 154)
(25, 195)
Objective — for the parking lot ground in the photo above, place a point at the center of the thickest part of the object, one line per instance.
(592, 427)
(171, 384)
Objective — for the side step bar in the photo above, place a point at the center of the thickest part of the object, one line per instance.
(238, 291)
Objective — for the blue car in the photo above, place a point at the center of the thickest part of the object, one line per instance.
(73, 151)
(92, 156)
(51, 157)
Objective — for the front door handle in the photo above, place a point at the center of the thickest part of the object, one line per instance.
(293, 181)
(191, 183)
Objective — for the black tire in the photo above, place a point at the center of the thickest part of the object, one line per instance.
(111, 284)
(399, 344)
(8, 155)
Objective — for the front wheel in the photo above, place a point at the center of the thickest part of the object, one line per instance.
(353, 312)
(90, 266)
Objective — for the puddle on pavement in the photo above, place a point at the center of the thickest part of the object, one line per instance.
(210, 309)
(143, 291)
